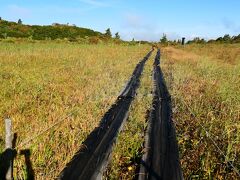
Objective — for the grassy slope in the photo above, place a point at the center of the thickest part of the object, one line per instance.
(12, 29)
(205, 85)
(41, 83)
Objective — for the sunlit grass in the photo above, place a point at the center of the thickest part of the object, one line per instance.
(128, 151)
(42, 83)
(206, 91)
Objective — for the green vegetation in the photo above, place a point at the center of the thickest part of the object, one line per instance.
(17, 32)
(228, 39)
(108, 33)
(54, 31)
(225, 39)
(41, 83)
(164, 39)
(117, 36)
(204, 82)
(20, 21)
(197, 40)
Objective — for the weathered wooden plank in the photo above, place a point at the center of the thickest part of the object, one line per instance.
(161, 158)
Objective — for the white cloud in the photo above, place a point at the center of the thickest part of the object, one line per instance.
(148, 35)
(142, 28)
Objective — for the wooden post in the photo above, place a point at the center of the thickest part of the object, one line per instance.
(183, 41)
(8, 146)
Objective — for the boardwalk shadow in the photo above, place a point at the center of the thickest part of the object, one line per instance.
(148, 172)
(9, 155)
(6, 158)
(30, 172)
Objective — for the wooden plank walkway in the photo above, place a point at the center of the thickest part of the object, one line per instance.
(90, 161)
(161, 157)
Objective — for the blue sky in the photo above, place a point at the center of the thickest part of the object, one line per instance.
(139, 19)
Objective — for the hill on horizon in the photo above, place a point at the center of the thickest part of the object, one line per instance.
(38, 32)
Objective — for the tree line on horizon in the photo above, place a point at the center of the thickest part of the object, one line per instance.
(225, 39)
(197, 40)
(52, 32)
(74, 33)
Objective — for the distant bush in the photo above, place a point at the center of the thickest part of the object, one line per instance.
(9, 40)
(225, 39)
(133, 42)
(19, 21)
(108, 33)
(93, 40)
(117, 36)
(236, 39)
(197, 40)
(117, 41)
(164, 39)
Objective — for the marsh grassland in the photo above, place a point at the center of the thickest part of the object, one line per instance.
(46, 82)
(204, 81)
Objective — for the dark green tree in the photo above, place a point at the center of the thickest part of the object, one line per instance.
(133, 42)
(164, 39)
(236, 39)
(117, 36)
(108, 33)
(19, 21)
(226, 38)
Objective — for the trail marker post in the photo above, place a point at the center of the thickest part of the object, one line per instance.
(8, 146)
(183, 41)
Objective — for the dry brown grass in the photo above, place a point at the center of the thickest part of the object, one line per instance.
(42, 83)
(179, 54)
(225, 53)
(205, 92)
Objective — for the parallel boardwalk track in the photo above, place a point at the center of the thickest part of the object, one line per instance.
(90, 161)
(161, 158)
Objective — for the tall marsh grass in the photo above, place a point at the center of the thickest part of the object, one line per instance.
(206, 96)
(42, 83)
